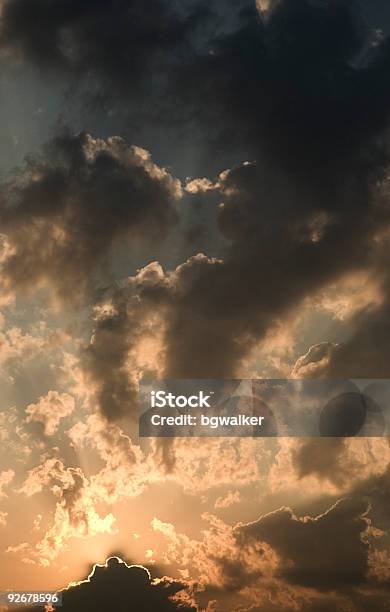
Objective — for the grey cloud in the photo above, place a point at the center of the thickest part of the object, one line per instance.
(311, 188)
(67, 208)
(365, 351)
(124, 316)
(117, 586)
(322, 457)
(326, 552)
(116, 42)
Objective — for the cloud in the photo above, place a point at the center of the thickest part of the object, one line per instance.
(327, 466)
(15, 549)
(49, 411)
(376, 489)
(6, 477)
(365, 354)
(116, 43)
(326, 552)
(214, 311)
(291, 86)
(284, 560)
(3, 518)
(304, 96)
(116, 585)
(232, 497)
(67, 208)
(75, 514)
(215, 559)
(123, 319)
(314, 362)
(14, 438)
(126, 470)
(353, 293)
(312, 187)
(14, 343)
(200, 185)
(364, 351)
(304, 108)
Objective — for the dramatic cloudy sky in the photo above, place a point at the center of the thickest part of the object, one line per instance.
(191, 189)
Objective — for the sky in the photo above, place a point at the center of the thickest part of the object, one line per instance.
(191, 190)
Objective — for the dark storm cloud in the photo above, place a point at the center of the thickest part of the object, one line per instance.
(123, 318)
(365, 353)
(65, 210)
(323, 562)
(117, 41)
(306, 85)
(290, 83)
(307, 95)
(284, 244)
(116, 586)
(326, 553)
(105, 363)
(215, 310)
(300, 85)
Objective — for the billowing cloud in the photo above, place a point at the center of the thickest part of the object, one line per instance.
(328, 465)
(75, 514)
(285, 561)
(366, 352)
(215, 559)
(326, 552)
(123, 319)
(15, 343)
(116, 585)
(125, 472)
(49, 411)
(363, 353)
(304, 106)
(214, 311)
(232, 497)
(303, 93)
(63, 213)
(313, 184)
(314, 362)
